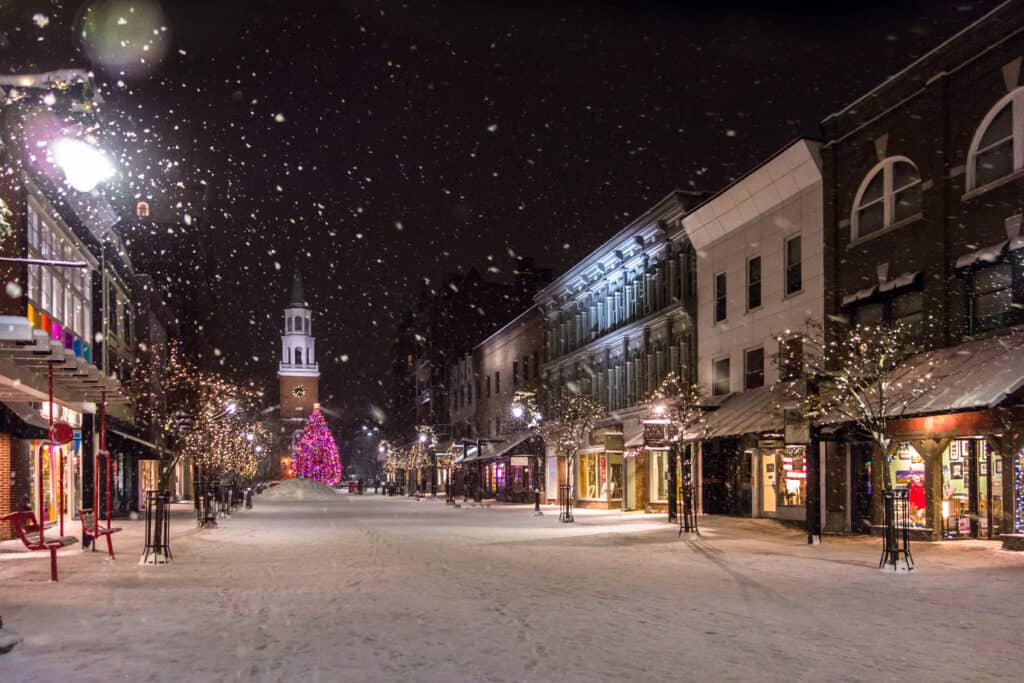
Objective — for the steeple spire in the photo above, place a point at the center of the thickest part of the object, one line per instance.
(298, 298)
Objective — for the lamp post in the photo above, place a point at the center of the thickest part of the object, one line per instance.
(525, 412)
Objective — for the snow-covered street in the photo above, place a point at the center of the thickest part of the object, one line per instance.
(390, 589)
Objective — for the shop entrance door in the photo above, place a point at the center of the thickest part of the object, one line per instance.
(768, 475)
(972, 490)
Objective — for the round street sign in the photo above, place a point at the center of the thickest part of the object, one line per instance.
(62, 432)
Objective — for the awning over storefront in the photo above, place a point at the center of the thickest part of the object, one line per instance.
(977, 374)
(497, 449)
(134, 445)
(753, 411)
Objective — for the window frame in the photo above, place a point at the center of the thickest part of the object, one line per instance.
(715, 364)
(751, 284)
(720, 296)
(788, 266)
(888, 198)
(747, 371)
(1014, 313)
(790, 371)
(1015, 100)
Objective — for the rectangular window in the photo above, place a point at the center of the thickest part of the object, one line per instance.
(488, 386)
(993, 296)
(753, 283)
(869, 314)
(515, 373)
(794, 261)
(720, 377)
(908, 312)
(753, 370)
(497, 382)
(659, 463)
(526, 368)
(720, 294)
(791, 359)
(477, 388)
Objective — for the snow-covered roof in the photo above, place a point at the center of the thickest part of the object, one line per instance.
(753, 411)
(976, 374)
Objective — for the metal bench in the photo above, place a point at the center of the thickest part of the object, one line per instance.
(33, 537)
(90, 529)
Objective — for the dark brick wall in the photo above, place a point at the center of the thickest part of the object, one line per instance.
(930, 115)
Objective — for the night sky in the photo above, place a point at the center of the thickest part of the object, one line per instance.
(388, 143)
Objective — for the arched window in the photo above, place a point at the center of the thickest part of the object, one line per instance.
(307, 325)
(298, 323)
(142, 209)
(997, 149)
(289, 324)
(889, 194)
(298, 356)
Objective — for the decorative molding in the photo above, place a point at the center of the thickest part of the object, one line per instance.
(1011, 74)
(881, 146)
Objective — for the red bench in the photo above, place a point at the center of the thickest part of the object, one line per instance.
(90, 530)
(28, 530)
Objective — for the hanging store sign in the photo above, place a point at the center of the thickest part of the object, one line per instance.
(520, 461)
(61, 433)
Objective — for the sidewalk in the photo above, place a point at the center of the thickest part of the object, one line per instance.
(128, 543)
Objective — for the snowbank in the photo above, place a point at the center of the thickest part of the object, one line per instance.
(300, 489)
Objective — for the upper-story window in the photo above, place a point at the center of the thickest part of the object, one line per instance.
(997, 294)
(307, 325)
(289, 322)
(753, 368)
(753, 283)
(720, 297)
(794, 262)
(720, 377)
(997, 149)
(515, 373)
(905, 309)
(791, 359)
(497, 382)
(889, 194)
(487, 386)
(298, 323)
(142, 209)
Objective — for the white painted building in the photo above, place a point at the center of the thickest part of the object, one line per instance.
(759, 273)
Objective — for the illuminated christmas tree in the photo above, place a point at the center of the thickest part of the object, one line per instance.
(316, 454)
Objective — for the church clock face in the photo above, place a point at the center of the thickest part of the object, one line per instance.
(298, 391)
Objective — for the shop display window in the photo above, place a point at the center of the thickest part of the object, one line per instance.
(600, 477)
(906, 470)
(791, 484)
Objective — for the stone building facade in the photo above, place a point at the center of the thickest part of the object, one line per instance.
(615, 325)
(759, 276)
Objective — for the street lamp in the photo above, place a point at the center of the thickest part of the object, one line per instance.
(84, 165)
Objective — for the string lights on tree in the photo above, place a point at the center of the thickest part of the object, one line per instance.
(316, 453)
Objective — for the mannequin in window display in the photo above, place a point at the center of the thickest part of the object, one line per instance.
(916, 499)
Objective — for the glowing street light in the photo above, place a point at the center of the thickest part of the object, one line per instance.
(517, 410)
(84, 165)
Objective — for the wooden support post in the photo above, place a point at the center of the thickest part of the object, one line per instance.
(931, 451)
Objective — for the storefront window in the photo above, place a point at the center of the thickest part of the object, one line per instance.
(591, 476)
(907, 471)
(659, 466)
(791, 484)
(614, 478)
(970, 471)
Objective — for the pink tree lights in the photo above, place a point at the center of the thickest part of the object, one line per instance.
(316, 454)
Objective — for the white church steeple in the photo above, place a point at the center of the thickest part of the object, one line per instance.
(298, 345)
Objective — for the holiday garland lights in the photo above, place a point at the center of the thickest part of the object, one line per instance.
(316, 454)
(199, 415)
